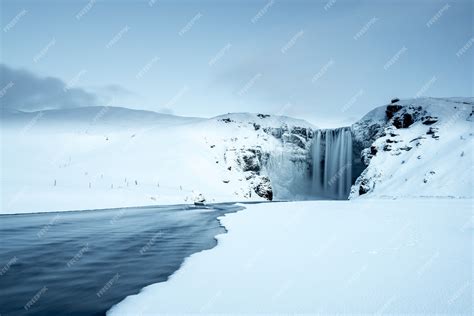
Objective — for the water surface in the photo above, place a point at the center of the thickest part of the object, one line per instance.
(82, 263)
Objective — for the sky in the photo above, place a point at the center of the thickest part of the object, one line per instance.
(328, 62)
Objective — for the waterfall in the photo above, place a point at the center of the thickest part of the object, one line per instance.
(288, 174)
(332, 163)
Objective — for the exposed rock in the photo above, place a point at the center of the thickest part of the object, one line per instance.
(364, 187)
(262, 116)
(428, 176)
(274, 131)
(297, 140)
(263, 188)
(432, 131)
(302, 132)
(373, 150)
(429, 120)
(387, 147)
(391, 110)
(395, 100)
(249, 159)
(417, 139)
(403, 121)
(199, 198)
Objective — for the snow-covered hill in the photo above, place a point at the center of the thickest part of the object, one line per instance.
(416, 147)
(101, 157)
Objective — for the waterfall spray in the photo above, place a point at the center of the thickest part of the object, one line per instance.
(332, 163)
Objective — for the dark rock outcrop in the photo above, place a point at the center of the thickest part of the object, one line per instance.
(263, 188)
(391, 110)
(403, 121)
(429, 120)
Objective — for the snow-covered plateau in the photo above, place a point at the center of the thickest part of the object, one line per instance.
(105, 157)
(358, 257)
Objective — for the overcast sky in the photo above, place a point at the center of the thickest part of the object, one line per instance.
(325, 61)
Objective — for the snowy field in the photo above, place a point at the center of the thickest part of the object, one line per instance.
(330, 257)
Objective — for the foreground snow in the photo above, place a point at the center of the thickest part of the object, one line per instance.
(362, 256)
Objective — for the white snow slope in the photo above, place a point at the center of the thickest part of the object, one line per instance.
(423, 160)
(105, 157)
(408, 256)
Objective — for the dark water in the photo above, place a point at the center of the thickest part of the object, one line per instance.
(82, 263)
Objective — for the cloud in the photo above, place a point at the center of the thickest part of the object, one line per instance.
(116, 89)
(23, 90)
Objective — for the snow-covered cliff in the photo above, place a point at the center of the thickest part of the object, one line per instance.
(100, 157)
(416, 147)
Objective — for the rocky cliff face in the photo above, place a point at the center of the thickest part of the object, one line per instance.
(415, 147)
(267, 151)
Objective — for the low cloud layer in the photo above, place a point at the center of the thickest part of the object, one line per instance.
(23, 90)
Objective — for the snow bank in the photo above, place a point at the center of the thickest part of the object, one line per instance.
(358, 257)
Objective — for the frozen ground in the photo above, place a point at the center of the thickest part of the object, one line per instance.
(410, 256)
